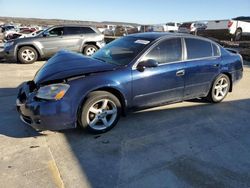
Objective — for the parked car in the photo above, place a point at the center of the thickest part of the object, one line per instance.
(145, 28)
(239, 27)
(185, 27)
(134, 72)
(83, 39)
(197, 26)
(217, 29)
(124, 30)
(171, 27)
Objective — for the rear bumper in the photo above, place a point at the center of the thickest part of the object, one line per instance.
(43, 115)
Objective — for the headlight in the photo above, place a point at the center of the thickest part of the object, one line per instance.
(52, 92)
(7, 44)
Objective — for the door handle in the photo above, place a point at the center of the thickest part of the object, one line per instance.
(216, 65)
(180, 73)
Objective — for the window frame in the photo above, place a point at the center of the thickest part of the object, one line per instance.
(201, 58)
(56, 28)
(157, 43)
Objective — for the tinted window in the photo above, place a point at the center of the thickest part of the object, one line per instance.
(56, 31)
(167, 51)
(216, 50)
(86, 30)
(170, 24)
(187, 25)
(78, 30)
(72, 30)
(198, 48)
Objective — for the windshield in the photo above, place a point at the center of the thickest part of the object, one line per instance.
(121, 51)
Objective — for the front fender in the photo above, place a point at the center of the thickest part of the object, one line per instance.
(36, 45)
(80, 88)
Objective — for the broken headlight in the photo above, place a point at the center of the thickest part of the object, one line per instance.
(52, 92)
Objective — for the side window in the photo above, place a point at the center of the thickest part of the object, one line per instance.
(167, 51)
(216, 50)
(58, 31)
(197, 48)
(72, 30)
(87, 30)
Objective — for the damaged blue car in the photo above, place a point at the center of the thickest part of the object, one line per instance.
(134, 72)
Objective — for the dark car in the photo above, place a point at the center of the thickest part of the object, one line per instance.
(83, 39)
(134, 72)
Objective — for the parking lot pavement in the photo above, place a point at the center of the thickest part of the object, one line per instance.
(190, 144)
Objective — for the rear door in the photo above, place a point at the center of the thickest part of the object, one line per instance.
(202, 66)
(73, 38)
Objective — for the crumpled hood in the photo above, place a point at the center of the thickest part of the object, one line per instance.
(67, 64)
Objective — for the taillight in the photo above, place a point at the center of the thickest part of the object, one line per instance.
(229, 24)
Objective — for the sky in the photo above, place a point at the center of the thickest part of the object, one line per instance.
(135, 11)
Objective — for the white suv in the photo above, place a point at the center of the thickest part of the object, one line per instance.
(171, 27)
(239, 27)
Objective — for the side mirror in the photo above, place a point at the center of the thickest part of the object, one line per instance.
(150, 63)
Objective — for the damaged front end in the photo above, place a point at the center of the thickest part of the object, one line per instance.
(43, 114)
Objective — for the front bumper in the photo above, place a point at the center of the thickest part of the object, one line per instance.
(9, 55)
(43, 114)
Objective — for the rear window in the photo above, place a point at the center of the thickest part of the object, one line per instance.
(197, 48)
(170, 24)
(185, 25)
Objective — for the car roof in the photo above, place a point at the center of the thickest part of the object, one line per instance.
(152, 36)
(157, 35)
(69, 25)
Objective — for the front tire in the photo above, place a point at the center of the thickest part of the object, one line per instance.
(100, 112)
(220, 89)
(89, 50)
(27, 55)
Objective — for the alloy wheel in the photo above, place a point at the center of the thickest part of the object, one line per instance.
(221, 88)
(102, 114)
(28, 55)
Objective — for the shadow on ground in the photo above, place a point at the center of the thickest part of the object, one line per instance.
(204, 145)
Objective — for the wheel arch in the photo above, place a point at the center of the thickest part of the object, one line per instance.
(29, 45)
(237, 29)
(230, 78)
(111, 90)
(89, 43)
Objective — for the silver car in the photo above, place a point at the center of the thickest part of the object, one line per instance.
(82, 39)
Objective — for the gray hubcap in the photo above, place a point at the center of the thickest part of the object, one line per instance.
(102, 114)
(221, 88)
(28, 55)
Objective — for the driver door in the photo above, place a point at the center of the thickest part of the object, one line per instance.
(164, 83)
(53, 41)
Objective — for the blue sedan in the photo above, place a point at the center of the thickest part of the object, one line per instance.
(134, 72)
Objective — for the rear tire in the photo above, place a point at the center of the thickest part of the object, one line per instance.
(89, 50)
(27, 55)
(238, 34)
(100, 112)
(219, 89)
